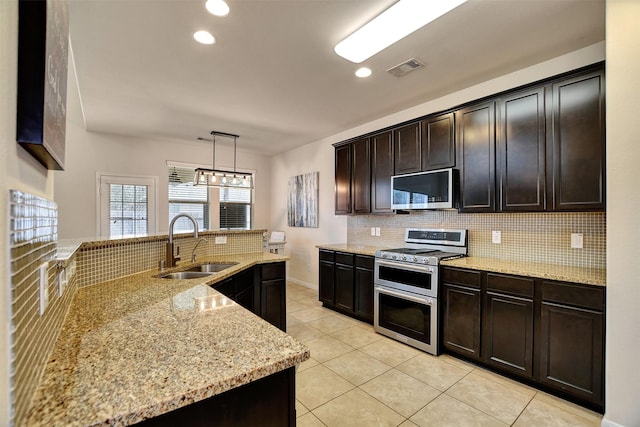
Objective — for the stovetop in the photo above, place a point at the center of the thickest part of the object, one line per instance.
(428, 246)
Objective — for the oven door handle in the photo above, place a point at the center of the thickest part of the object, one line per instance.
(419, 268)
(421, 300)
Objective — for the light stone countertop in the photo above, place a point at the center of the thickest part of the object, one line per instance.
(351, 248)
(587, 276)
(140, 346)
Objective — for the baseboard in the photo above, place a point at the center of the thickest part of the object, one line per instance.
(302, 283)
(607, 423)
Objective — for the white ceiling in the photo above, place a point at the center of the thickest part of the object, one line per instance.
(272, 76)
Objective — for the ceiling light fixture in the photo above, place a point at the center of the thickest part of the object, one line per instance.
(222, 178)
(217, 7)
(395, 23)
(363, 72)
(204, 37)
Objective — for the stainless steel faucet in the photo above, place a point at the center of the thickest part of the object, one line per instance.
(193, 252)
(171, 259)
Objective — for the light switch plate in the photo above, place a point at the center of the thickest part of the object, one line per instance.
(496, 236)
(377, 231)
(576, 240)
(43, 282)
(373, 231)
(221, 240)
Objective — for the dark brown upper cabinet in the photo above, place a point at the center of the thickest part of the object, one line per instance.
(438, 142)
(477, 159)
(521, 151)
(361, 176)
(381, 172)
(343, 179)
(576, 143)
(407, 148)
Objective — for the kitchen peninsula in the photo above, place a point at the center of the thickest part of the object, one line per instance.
(141, 346)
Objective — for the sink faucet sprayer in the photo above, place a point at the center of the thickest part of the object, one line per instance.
(171, 260)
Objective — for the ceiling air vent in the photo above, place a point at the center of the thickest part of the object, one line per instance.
(405, 67)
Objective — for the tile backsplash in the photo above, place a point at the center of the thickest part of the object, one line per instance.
(536, 237)
(32, 241)
(107, 260)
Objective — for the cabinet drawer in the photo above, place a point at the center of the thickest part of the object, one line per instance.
(274, 270)
(327, 255)
(344, 258)
(461, 277)
(364, 261)
(520, 286)
(574, 294)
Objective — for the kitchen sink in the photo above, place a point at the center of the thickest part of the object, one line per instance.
(212, 267)
(181, 275)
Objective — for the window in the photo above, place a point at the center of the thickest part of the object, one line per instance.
(212, 207)
(127, 206)
(184, 197)
(235, 208)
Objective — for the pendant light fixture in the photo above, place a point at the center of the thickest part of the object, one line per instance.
(222, 178)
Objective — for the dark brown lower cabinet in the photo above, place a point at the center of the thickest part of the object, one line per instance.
(346, 283)
(548, 334)
(572, 340)
(509, 334)
(268, 402)
(363, 288)
(273, 294)
(260, 289)
(461, 315)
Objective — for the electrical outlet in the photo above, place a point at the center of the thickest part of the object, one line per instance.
(576, 240)
(44, 286)
(221, 240)
(373, 231)
(496, 236)
(377, 231)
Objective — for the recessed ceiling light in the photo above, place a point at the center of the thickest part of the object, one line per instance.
(363, 72)
(217, 7)
(204, 37)
(395, 23)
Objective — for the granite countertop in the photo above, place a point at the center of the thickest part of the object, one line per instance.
(351, 248)
(140, 346)
(587, 276)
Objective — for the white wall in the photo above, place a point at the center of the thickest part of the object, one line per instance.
(18, 170)
(88, 153)
(623, 207)
(319, 155)
(302, 267)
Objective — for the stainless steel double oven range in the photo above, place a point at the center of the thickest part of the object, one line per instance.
(406, 285)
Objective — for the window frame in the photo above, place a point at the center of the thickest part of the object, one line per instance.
(103, 180)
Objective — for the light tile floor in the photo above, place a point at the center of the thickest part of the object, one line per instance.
(356, 377)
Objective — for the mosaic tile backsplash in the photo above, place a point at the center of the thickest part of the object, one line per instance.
(102, 261)
(535, 237)
(32, 239)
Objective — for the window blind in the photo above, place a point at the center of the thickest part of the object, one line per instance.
(187, 198)
(235, 208)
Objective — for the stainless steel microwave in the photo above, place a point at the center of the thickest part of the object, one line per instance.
(424, 190)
